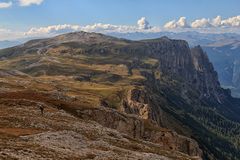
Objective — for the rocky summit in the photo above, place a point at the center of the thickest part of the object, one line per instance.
(91, 96)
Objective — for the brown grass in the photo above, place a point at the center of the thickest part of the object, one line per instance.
(19, 131)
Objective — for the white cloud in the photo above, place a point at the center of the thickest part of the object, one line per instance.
(58, 29)
(55, 29)
(231, 22)
(22, 3)
(217, 22)
(181, 23)
(5, 4)
(201, 23)
(204, 23)
(7, 34)
(170, 25)
(143, 26)
(215, 25)
(30, 2)
(143, 23)
(98, 27)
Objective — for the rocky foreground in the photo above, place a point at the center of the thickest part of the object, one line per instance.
(88, 134)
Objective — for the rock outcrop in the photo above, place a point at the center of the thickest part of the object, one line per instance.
(25, 134)
(137, 102)
(206, 79)
(142, 129)
(190, 66)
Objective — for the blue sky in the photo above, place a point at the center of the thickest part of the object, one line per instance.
(114, 11)
(38, 13)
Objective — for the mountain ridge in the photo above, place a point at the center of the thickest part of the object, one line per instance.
(160, 80)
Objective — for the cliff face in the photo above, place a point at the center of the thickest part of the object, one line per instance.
(137, 102)
(191, 66)
(174, 57)
(184, 79)
(206, 79)
(143, 129)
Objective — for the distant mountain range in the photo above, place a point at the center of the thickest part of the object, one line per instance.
(193, 38)
(6, 44)
(225, 55)
(14, 42)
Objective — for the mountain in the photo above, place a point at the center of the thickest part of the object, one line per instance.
(6, 44)
(225, 57)
(154, 99)
(192, 37)
(222, 49)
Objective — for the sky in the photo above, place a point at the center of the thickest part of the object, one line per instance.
(22, 18)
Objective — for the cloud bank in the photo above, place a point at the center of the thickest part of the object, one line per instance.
(215, 25)
(7, 34)
(201, 23)
(181, 23)
(141, 26)
(231, 24)
(204, 23)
